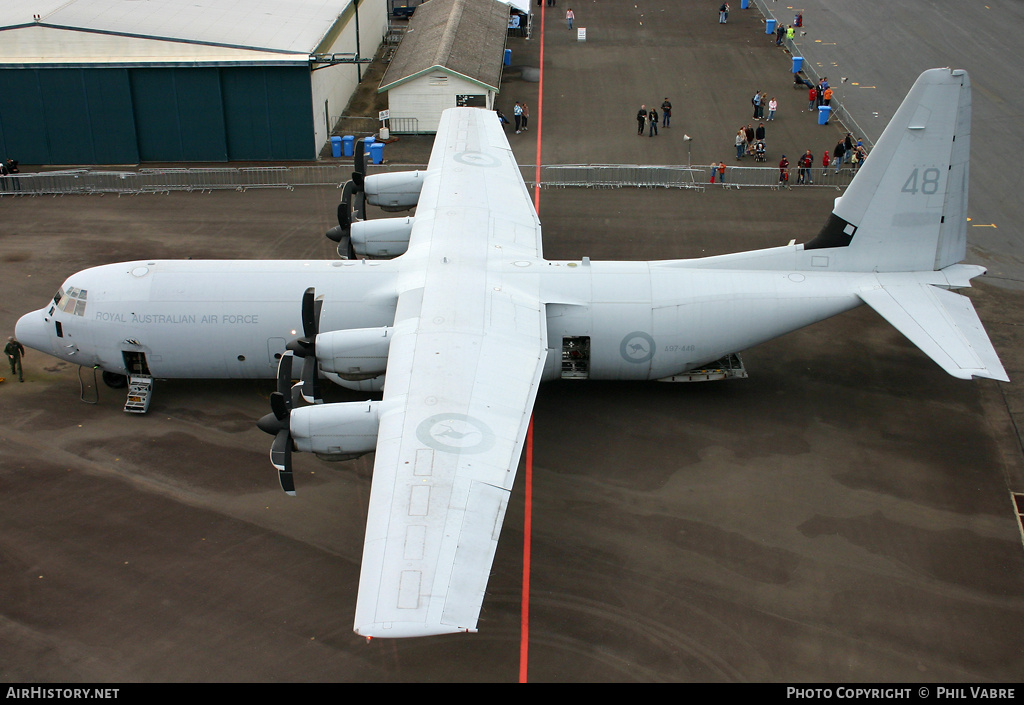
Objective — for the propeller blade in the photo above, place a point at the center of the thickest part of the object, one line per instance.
(359, 163)
(346, 250)
(309, 313)
(278, 423)
(281, 457)
(284, 371)
(345, 206)
(311, 381)
(359, 205)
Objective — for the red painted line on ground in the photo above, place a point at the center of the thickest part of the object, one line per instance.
(524, 639)
(524, 643)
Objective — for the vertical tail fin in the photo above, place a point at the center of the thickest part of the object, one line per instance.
(906, 209)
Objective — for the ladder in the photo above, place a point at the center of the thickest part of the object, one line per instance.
(139, 388)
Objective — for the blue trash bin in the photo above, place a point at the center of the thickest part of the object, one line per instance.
(335, 146)
(508, 57)
(744, 4)
(823, 113)
(769, 26)
(798, 64)
(348, 145)
(377, 152)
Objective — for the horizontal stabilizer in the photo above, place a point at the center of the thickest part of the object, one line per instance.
(943, 324)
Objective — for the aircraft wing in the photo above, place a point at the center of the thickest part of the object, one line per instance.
(466, 357)
(941, 323)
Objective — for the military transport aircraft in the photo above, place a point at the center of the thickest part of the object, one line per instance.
(462, 324)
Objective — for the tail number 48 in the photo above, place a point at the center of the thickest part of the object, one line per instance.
(922, 181)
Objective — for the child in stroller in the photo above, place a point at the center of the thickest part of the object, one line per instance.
(759, 151)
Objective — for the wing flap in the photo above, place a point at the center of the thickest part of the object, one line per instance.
(943, 324)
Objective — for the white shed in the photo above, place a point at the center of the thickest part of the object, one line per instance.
(451, 55)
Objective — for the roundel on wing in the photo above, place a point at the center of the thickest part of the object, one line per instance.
(455, 433)
(637, 347)
(476, 159)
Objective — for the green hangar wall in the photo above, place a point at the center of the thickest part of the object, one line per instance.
(127, 115)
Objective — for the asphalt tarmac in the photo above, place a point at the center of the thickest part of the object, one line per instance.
(843, 515)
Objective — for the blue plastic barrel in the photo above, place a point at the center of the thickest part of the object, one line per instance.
(348, 145)
(377, 152)
(744, 4)
(769, 26)
(823, 113)
(508, 57)
(335, 146)
(798, 64)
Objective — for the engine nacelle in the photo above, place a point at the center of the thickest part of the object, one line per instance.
(396, 191)
(381, 238)
(354, 354)
(337, 431)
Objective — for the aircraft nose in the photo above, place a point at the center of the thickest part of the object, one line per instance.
(32, 331)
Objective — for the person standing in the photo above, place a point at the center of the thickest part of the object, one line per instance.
(652, 118)
(773, 105)
(759, 133)
(666, 112)
(804, 166)
(15, 351)
(517, 115)
(569, 17)
(641, 120)
(838, 152)
(741, 142)
(526, 116)
(756, 102)
(859, 155)
(783, 170)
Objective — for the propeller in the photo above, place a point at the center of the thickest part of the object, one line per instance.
(352, 206)
(277, 424)
(305, 346)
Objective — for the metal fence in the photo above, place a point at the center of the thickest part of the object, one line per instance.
(86, 181)
(693, 177)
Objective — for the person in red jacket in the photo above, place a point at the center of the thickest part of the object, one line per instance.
(812, 98)
(783, 170)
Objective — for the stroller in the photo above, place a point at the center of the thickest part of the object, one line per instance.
(759, 151)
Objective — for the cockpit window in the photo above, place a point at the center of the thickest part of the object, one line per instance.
(71, 301)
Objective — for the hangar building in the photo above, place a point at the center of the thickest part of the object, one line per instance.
(123, 82)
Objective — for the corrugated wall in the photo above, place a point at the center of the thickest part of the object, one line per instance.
(131, 115)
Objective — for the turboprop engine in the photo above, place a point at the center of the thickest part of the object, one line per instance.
(397, 191)
(354, 354)
(381, 238)
(340, 431)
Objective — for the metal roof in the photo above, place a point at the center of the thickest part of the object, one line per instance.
(464, 37)
(281, 26)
